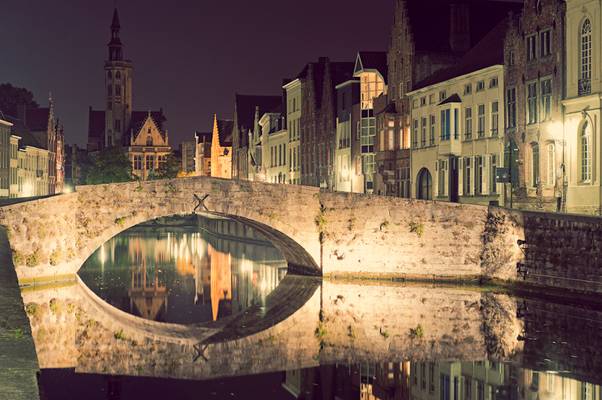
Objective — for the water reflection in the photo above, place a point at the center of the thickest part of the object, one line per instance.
(185, 270)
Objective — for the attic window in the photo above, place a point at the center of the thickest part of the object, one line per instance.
(149, 141)
(148, 131)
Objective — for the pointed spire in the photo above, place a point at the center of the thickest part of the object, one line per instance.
(115, 46)
(115, 24)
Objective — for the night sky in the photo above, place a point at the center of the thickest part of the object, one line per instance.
(190, 56)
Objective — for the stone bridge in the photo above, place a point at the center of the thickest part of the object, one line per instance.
(319, 233)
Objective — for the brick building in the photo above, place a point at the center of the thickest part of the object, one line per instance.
(534, 55)
(318, 119)
(423, 42)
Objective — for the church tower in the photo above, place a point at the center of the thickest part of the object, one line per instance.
(118, 79)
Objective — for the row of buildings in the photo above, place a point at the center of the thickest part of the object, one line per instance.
(486, 102)
(31, 153)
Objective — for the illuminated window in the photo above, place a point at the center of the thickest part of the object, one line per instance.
(585, 152)
(585, 68)
(534, 164)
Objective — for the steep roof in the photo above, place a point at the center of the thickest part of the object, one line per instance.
(488, 52)
(139, 118)
(339, 72)
(376, 60)
(225, 127)
(246, 104)
(431, 28)
(24, 132)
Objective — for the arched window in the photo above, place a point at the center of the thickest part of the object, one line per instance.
(118, 75)
(585, 152)
(535, 164)
(424, 185)
(585, 57)
(551, 165)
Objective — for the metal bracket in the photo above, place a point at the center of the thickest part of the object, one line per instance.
(200, 203)
(199, 352)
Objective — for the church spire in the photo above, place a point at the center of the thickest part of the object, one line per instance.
(115, 46)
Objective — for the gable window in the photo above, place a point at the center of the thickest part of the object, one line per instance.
(534, 164)
(480, 86)
(545, 41)
(468, 123)
(511, 107)
(585, 59)
(149, 140)
(532, 103)
(585, 152)
(494, 118)
(546, 99)
(432, 133)
(531, 47)
(481, 120)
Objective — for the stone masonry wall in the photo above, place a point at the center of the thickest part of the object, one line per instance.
(334, 234)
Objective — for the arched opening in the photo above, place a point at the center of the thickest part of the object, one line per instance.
(424, 185)
(535, 164)
(585, 57)
(585, 152)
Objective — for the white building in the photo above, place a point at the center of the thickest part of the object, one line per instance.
(274, 142)
(293, 118)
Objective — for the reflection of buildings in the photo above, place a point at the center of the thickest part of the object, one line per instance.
(219, 270)
(146, 293)
(484, 380)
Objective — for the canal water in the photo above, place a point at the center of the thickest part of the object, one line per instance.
(202, 308)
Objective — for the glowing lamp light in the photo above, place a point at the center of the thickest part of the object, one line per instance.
(68, 189)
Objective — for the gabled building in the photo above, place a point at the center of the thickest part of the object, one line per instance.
(202, 153)
(371, 69)
(457, 137)
(221, 148)
(349, 175)
(142, 133)
(248, 109)
(424, 41)
(318, 119)
(293, 95)
(272, 151)
(535, 75)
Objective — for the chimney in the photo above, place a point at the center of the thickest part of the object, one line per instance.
(459, 27)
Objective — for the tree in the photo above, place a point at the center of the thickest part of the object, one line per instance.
(169, 169)
(110, 165)
(11, 98)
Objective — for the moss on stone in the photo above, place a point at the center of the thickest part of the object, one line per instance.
(33, 259)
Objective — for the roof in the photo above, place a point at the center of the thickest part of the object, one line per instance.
(339, 72)
(224, 128)
(246, 104)
(431, 29)
(454, 98)
(139, 118)
(96, 123)
(488, 52)
(375, 60)
(203, 136)
(24, 132)
(37, 119)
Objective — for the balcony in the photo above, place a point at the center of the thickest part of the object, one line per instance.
(585, 87)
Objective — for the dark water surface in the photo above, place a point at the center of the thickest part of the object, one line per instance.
(289, 337)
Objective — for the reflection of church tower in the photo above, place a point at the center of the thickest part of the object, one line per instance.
(118, 77)
(218, 269)
(146, 293)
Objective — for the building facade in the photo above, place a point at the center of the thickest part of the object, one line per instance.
(149, 148)
(293, 95)
(457, 138)
(221, 148)
(534, 79)
(582, 116)
(187, 151)
(273, 151)
(248, 109)
(202, 153)
(349, 175)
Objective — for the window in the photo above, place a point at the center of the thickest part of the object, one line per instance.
(432, 134)
(585, 60)
(534, 164)
(149, 140)
(423, 101)
(118, 75)
(585, 152)
(466, 183)
(117, 90)
(511, 107)
(494, 118)
(468, 89)
(532, 103)
(546, 99)
(445, 122)
(415, 135)
(481, 121)
(531, 47)
(442, 95)
(423, 132)
(149, 162)
(551, 165)
(493, 83)
(492, 173)
(431, 98)
(511, 58)
(414, 103)
(391, 137)
(545, 42)
(480, 86)
(478, 175)
(441, 170)
(117, 125)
